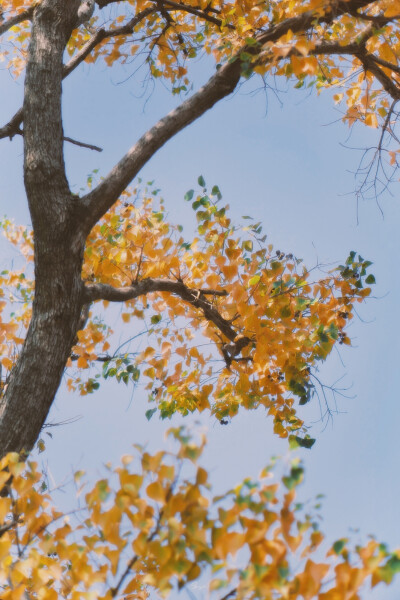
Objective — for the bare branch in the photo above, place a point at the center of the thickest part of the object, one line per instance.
(13, 126)
(18, 131)
(16, 19)
(82, 144)
(194, 297)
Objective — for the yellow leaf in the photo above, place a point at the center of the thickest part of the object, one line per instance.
(7, 362)
(155, 491)
(371, 120)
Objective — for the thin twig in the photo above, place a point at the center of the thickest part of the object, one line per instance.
(82, 144)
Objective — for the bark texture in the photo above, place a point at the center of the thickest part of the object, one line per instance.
(58, 244)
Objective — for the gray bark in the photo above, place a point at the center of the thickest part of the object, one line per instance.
(58, 248)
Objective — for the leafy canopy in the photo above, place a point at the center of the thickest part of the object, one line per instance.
(147, 530)
(270, 319)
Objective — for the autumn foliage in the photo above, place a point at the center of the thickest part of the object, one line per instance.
(148, 530)
(288, 317)
(226, 323)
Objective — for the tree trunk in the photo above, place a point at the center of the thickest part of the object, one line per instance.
(58, 239)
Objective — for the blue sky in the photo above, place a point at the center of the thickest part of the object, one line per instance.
(284, 165)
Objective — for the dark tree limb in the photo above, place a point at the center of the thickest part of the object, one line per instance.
(13, 126)
(194, 297)
(82, 144)
(386, 64)
(71, 141)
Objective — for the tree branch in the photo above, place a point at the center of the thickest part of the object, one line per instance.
(68, 139)
(386, 64)
(128, 28)
(82, 144)
(23, 16)
(369, 64)
(104, 3)
(12, 127)
(97, 202)
(220, 85)
(194, 297)
(103, 34)
(11, 524)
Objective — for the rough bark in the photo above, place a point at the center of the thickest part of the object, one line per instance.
(58, 245)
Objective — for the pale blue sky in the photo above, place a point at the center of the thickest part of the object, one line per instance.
(284, 166)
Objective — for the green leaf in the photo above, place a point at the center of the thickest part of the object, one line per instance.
(388, 571)
(370, 279)
(306, 442)
(338, 546)
(196, 204)
(333, 331)
(295, 477)
(301, 303)
(216, 192)
(189, 195)
(102, 486)
(155, 319)
(351, 258)
(201, 181)
(323, 337)
(247, 245)
(304, 399)
(149, 413)
(293, 443)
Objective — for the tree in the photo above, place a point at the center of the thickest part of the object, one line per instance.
(301, 40)
(251, 302)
